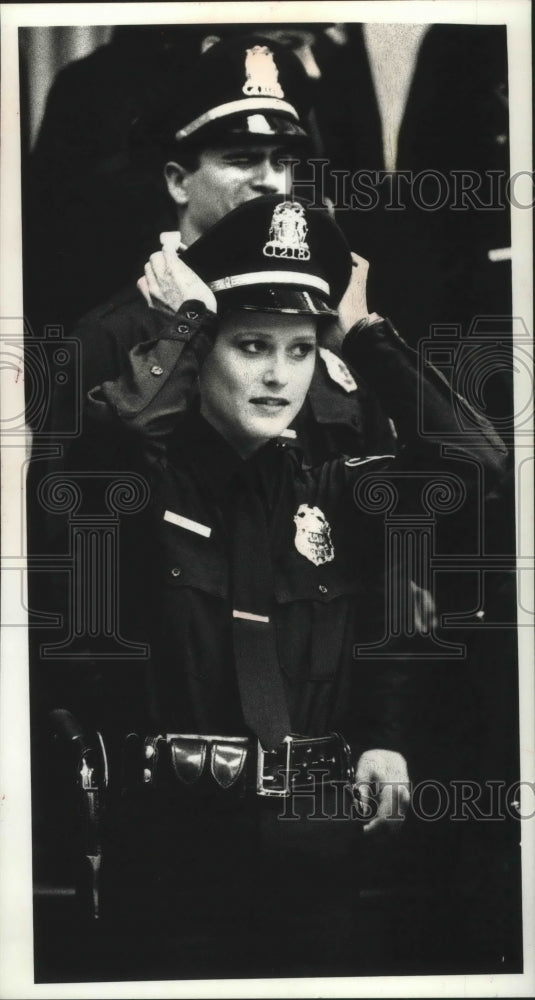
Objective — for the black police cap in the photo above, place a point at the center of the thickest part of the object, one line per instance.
(245, 86)
(276, 255)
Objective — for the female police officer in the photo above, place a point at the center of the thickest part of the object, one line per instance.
(256, 578)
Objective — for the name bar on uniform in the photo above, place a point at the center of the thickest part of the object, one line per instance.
(235, 107)
(249, 616)
(187, 523)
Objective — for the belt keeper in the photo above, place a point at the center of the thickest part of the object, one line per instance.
(151, 755)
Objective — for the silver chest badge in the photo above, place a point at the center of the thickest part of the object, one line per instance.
(287, 234)
(313, 535)
(261, 73)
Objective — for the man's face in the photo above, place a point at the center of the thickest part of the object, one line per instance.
(255, 380)
(225, 178)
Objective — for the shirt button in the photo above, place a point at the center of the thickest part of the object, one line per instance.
(182, 328)
(156, 370)
(176, 571)
(191, 314)
(322, 589)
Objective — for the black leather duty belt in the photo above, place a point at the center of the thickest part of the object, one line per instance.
(239, 763)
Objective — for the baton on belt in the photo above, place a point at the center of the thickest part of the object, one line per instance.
(91, 769)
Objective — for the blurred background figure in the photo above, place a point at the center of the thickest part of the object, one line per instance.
(429, 100)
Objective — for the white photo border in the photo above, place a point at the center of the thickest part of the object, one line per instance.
(16, 951)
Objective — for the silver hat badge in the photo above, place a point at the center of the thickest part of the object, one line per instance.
(287, 234)
(261, 73)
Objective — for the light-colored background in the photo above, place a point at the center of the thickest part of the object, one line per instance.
(47, 50)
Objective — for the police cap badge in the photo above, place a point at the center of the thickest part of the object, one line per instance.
(276, 255)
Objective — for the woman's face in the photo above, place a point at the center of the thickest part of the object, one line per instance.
(255, 380)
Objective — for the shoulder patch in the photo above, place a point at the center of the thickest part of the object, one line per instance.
(338, 370)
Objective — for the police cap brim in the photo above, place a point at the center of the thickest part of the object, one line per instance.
(277, 299)
(254, 127)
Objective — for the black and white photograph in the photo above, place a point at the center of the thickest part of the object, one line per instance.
(267, 500)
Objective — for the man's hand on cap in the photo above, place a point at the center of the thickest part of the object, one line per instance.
(353, 306)
(168, 282)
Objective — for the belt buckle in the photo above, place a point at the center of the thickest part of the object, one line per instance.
(261, 777)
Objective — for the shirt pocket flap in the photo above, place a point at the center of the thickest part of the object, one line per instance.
(300, 582)
(193, 559)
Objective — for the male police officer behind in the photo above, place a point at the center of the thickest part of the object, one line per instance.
(215, 146)
(236, 118)
(239, 118)
(84, 198)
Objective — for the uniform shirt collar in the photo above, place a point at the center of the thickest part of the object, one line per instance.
(218, 465)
